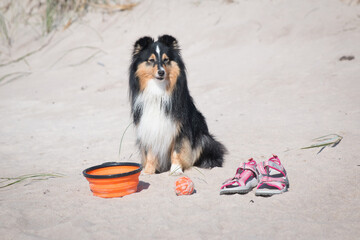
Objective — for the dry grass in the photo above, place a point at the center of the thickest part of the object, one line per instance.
(330, 140)
(12, 77)
(45, 16)
(8, 181)
(351, 2)
(95, 49)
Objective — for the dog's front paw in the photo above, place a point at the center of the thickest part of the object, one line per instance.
(149, 167)
(148, 171)
(176, 170)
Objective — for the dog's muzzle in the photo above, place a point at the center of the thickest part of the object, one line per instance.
(160, 74)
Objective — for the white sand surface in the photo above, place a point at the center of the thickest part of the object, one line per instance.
(266, 75)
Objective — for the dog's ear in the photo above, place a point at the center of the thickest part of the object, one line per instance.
(141, 44)
(169, 41)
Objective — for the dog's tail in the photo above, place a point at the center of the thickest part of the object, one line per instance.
(212, 154)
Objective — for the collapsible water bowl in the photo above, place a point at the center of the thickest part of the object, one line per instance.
(113, 179)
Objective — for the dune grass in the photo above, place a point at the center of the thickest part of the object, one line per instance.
(12, 76)
(43, 18)
(4, 30)
(9, 181)
(64, 12)
(122, 138)
(95, 49)
(331, 140)
(26, 55)
(50, 15)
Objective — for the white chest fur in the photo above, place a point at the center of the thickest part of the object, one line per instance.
(156, 130)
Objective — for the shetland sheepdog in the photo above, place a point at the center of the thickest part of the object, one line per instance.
(171, 133)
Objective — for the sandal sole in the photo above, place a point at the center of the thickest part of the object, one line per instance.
(241, 190)
(228, 191)
(268, 193)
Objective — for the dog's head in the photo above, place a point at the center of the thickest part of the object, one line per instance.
(157, 60)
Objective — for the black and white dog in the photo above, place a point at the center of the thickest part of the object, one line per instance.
(171, 132)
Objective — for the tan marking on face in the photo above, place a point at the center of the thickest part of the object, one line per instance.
(153, 57)
(172, 72)
(164, 56)
(145, 72)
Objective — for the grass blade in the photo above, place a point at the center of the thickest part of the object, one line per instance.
(328, 140)
(38, 176)
(122, 137)
(86, 59)
(15, 75)
(26, 55)
(3, 30)
(78, 48)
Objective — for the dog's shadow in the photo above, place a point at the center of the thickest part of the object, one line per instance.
(142, 186)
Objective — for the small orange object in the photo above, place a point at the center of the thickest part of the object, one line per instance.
(112, 179)
(184, 186)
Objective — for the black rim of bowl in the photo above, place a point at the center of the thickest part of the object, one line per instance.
(111, 164)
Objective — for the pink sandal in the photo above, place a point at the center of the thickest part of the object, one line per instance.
(246, 178)
(273, 177)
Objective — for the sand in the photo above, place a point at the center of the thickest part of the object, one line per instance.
(267, 77)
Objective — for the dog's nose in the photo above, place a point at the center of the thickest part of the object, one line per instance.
(161, 73)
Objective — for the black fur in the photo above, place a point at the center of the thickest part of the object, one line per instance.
(182, 110)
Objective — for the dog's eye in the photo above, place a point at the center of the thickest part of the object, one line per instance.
(151, 60)
(166, 60)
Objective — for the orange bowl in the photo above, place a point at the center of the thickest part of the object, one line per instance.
(113, 179)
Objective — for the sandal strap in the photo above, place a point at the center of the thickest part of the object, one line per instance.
(274, 163)
(272, 179)
(275, 182)
(261, 168)
(278, 185)
(230, 182)
(250, 165)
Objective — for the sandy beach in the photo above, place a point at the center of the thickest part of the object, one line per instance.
(267, 76)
